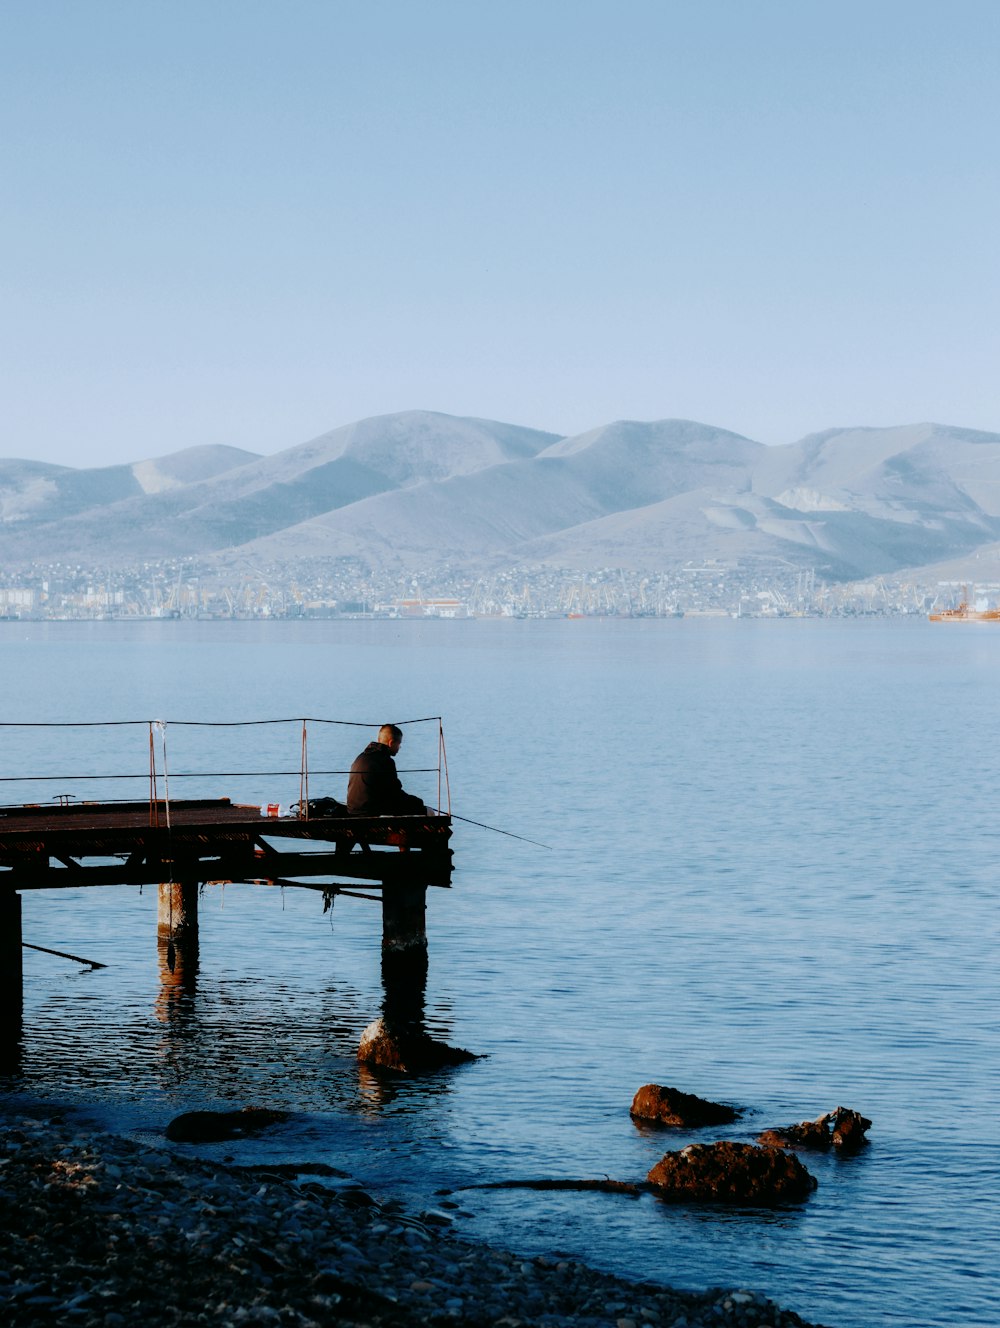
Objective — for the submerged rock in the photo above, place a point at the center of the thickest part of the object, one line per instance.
(206, 1127)
(669, 1106)
(841, 1129)
(407, 1052)
(731, 1173)
(849, 1128)
(813, 1135)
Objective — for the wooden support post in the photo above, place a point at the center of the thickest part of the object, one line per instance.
(177, 931)
(404, 920)
(177, 944)
(177, 913)
(404, 960)
(404, 983)
(11, 981)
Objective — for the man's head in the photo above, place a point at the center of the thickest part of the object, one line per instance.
(390, 736)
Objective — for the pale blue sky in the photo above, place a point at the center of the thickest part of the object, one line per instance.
(229, 221)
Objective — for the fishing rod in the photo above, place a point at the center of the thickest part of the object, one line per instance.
(62, 954)
(496, 830)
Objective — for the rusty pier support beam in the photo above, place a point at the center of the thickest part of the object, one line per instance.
(177, 925)
(11, 974)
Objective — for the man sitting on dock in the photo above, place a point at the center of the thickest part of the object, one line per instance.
(374, 788)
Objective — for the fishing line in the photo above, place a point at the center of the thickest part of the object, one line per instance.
(496, 829)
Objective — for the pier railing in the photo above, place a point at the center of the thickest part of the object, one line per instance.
(278, 762)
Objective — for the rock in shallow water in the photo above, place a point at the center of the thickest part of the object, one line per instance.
(849, 1129)
(731, 1173)
(669, 1106)
(812, 1135)
(205, 1127)
(841, 1129)
(406, 1052)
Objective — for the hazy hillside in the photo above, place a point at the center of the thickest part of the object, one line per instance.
(886, 471)
(189, 466)
(495, 510)
(420, 488)
(886, 499)
(31, 491)
(267, 494)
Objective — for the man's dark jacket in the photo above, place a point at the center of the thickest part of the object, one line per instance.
(374, 788)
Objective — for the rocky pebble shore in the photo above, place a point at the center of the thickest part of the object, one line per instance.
(100, 1230)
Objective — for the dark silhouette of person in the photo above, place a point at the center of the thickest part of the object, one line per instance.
(373, 788)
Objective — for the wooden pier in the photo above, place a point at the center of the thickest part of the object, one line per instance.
(181, 845)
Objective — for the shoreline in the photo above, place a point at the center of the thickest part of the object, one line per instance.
(97, 1228)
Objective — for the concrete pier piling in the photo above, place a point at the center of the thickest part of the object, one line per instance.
(177, 915)
(404, 919)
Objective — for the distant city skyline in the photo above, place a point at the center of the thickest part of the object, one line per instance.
(247, 224)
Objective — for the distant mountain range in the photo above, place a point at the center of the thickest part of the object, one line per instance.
(420, 489)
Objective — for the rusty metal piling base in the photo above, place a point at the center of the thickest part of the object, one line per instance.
(177, 913)
(177, 933)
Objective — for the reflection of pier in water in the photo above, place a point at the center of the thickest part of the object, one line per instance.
(227, 1038)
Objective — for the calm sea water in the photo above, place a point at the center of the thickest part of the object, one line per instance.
(770, 879)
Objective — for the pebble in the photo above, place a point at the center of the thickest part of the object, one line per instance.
(98, 1230)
